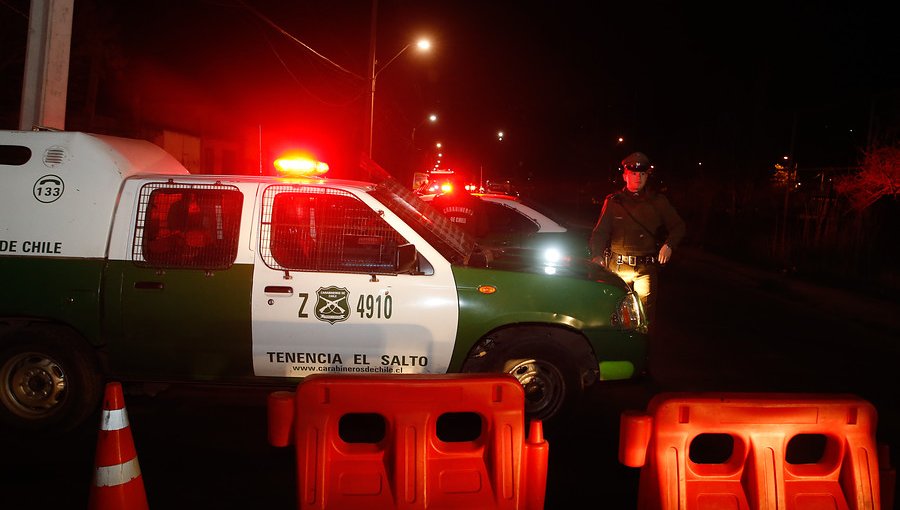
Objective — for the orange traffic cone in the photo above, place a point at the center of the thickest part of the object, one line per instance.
(117, 482)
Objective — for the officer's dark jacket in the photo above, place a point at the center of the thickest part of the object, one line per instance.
(624, 234)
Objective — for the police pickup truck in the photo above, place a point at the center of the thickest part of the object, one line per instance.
(119, 263)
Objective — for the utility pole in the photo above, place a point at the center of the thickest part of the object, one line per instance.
(370, 119)
(46, 78)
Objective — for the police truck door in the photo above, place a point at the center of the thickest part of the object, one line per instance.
(324, 298)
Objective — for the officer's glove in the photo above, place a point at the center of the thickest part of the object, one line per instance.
(665, 253)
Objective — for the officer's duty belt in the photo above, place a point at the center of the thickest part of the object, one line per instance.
(634, 260)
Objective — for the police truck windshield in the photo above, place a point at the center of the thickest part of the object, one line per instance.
(453, 242)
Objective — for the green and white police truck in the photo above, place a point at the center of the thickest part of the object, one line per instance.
(118, 263)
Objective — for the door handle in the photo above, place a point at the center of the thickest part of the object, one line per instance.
(149, 285)
(279, 289)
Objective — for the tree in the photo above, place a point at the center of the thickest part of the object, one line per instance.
(878, 176)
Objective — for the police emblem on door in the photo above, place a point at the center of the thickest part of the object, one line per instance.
(332, 304)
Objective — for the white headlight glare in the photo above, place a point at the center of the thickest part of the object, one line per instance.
(552, 255)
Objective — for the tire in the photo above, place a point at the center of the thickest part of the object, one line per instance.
(542, 359)
(49, 380)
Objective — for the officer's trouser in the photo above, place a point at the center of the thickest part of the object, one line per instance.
(643, 279)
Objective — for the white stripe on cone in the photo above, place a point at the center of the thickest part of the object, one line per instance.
(111, 476)
(115, 419)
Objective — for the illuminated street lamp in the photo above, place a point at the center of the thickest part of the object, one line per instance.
(500, 136)
(422, 45)
(431, 118)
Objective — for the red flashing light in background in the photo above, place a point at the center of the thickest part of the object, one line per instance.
(300, 165)
(447, 187)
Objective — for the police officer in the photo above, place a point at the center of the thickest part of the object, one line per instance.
(637, 231)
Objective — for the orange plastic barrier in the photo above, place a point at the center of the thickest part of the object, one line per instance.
(766, 451)
(412, 464)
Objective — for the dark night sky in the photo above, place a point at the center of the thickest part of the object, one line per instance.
(681, 81)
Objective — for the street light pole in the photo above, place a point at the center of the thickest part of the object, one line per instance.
(371, 120)
(373, 75)
(422, 44)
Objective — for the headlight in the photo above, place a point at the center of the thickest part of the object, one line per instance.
(629, 313)
(552, 256)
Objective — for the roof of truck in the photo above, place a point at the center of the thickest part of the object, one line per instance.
(128, 156)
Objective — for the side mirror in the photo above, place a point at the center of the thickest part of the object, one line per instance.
(407, 259)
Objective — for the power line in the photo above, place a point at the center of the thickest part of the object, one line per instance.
(298, 41)
(300, 82)
(14, 9)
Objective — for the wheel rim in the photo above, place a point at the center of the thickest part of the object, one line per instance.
(35, 384)
(544, 386)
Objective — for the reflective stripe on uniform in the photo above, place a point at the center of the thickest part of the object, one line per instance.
(115, 419)
(110, 476)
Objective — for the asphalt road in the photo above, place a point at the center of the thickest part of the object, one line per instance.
(720, 327)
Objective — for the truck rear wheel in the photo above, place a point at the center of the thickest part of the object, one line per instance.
(542, 360)
(48, 379)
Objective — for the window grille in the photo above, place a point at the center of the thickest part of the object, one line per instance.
(187, 226)
(324, 229)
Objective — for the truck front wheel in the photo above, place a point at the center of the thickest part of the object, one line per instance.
(48, 381)
(541, 358)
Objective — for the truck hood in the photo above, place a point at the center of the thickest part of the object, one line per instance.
(532, 260)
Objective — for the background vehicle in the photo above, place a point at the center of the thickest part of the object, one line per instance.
(119, 263)
(517, 222)
(436, 180)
